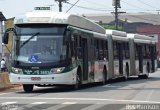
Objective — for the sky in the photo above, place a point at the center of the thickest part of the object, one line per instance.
(13, 8)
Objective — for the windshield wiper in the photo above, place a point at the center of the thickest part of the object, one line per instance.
(29, 39)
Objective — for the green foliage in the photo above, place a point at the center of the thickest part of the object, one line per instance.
(106, 26)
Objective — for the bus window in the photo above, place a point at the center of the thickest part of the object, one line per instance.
(97, 49)
(91, 50)
(148, 52)
(106, 49)
(115, 49)
(101, 50)
(79, 47)
(136, 51)
(126, 50)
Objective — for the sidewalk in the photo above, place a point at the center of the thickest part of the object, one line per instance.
(5, 83)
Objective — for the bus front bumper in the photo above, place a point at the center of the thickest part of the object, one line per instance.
(68, 78)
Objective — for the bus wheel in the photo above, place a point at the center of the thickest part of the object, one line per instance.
(104, 76)
(76, 86)
(126, 73)
(28, 87)
(78, 79)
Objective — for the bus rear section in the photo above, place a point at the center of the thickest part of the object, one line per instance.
(143, 55)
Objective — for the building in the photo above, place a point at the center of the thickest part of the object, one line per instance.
(9, 24)
(141, 23)
(2, 19)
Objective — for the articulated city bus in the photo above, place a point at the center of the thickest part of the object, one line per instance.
(143, 55)
(53, 49)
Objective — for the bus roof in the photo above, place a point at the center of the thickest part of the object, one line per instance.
(141, 38)
(138, 36)
(49, 16)
(116, 33)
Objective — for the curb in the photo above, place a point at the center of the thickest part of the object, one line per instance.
(6, 88)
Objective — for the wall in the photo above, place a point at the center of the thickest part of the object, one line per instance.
(151, 30)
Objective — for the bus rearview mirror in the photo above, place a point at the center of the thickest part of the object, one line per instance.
(5, 38)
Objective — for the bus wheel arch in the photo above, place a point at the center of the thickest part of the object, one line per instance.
(105, 77)
(78, 77)
(148, 67)
(28, 87)
(147, 71)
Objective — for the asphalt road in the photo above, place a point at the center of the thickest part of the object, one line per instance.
(134, 94)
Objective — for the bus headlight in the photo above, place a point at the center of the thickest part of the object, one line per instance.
(57, 70)
(17, 70)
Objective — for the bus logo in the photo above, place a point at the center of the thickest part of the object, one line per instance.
(33, 58)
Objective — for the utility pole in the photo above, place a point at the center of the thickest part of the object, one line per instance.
(116, 4)
(60, 4)
(116, 15)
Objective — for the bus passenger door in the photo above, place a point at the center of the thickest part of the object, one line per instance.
(140, 57)
(85, 58)
(120, 57)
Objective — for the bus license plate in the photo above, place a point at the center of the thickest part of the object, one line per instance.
(35, 78)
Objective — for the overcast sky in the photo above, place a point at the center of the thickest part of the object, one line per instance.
(12, 8)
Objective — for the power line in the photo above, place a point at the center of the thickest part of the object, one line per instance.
(133, 5)
(94, 9)
(95, 3)
(146, 4)
(156, 4)
(72, 5)
(140, 7)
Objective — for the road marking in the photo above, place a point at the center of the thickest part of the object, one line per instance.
(6, 93)
(112, 86)
(69, 103)
(10, 92)
(7, 103)
(78, 99)
(37, 103)
(149, 95)
(94, 107)
(56, 107)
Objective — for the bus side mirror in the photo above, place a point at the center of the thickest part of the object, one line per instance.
(5, 38)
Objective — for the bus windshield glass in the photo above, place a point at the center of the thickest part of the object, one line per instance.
(37, 44)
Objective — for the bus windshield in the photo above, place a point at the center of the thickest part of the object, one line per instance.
(37, 44)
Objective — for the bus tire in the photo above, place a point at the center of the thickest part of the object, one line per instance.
(104, 75)
(78, 78)
(126, 72)
(28, 87)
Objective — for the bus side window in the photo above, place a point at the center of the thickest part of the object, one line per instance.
(144, 51)
(115, 50)
(72, 46)
(136, 51)
(92, 51)
(148, 51)
(97, 49)
(79, 47)
(105, 49)
(75, 46)
(126, 50)
(101, 49)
